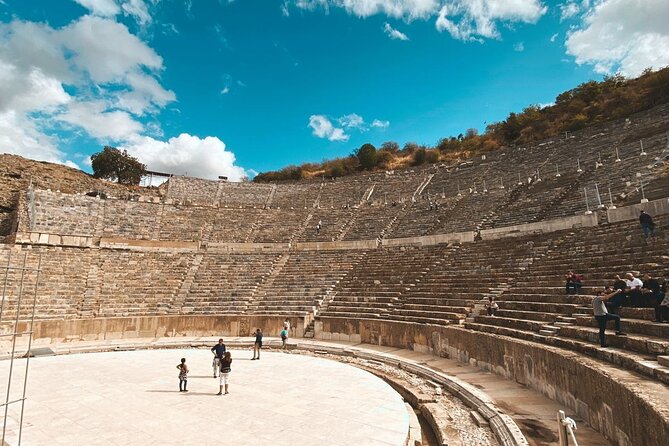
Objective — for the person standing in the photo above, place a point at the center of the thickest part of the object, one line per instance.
(647, 224)
(284, 338)
(183, 375)
(226, 362)
(602, 315)
(218, 350)
(257, 345)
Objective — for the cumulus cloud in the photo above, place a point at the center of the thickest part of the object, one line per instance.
(322, 127)
(394, 33)
(519, 47)
(100, 122)
(187, 154)
(352, 121)
(627, 36)
(476, 19)
(380, 124)
(114, 86)
(137, 9)
(102, 8)
(569, 10)
(407, 9)
(463, 19)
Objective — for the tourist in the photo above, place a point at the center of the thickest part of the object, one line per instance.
(574, 282)
(651, 291)
(603, 316)
(619, 284)
(662, 310)
(218, 350)
(183, 375)
(284, 338)
(257, 345)
(319, 225)
(477, 236)
(617, 301)
(286, 324)
(492, 306)
(226, 362)
(633, 290)
(647, 224)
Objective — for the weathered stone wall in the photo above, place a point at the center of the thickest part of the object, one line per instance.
(614, 402)
(58, 213)
(101, 329)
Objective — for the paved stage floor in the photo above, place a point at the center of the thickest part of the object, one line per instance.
(132, 398)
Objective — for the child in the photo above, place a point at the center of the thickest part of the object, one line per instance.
(284, 338)
(492, 306)
(183, 375)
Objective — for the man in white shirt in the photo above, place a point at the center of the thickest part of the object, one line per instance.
(634, 285)
(603, 316)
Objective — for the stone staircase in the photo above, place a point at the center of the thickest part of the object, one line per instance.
(177, 305)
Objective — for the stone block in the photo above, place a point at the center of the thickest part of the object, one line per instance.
(43, 239)
(54, 239)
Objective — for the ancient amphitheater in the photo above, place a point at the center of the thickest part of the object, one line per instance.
(388, 285)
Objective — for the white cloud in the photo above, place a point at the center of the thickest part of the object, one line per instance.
(352, 121)
(115, 76)
(394, 33)
(138, 10)
(622, 35)
(554, 37)
(101, 123)
(407, 9)
(20, 135)
(380, 124)
(187, 154)
(225, 90)
(463, 19)
(106, 49)
(519, 47)
(323, 128)
(569, 10)
(476, 19)
(102, 8)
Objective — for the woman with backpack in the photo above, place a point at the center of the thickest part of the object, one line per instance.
(226, 363)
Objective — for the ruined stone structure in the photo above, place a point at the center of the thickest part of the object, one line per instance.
(208, 257)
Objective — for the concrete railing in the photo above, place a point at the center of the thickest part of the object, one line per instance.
(655, 207)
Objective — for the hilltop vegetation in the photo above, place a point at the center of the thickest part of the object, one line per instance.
(589, 103)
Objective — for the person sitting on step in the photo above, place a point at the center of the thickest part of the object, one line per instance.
(491, 306)
(633, 290)
(574, 282)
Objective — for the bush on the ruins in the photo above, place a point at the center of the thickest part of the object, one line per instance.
(384, 158)
(116, 165)
(367, 156)
(390, 147)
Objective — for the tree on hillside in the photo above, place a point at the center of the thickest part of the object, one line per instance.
(366, 156)
(116, 165)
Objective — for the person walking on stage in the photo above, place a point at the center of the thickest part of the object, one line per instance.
(284, 338)
(183, 375)
(226, 362)
(218, 350)
(257, 345)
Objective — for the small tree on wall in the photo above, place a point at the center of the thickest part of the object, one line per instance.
(116, 165)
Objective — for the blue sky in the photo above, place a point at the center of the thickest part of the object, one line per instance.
(211, 87)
